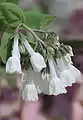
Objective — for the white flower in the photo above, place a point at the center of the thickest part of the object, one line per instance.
(67, 72)
(55, 85)
(29, 93)
(36, 59)
(29, 48)
(13, 64)
(29, 90)
(15, 50)
(37, 62)
(70, 76)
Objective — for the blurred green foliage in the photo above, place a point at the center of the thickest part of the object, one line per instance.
(12, 1)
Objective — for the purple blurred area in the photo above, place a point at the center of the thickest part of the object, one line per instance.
(9, 94)
(51, 105)
(9, 104)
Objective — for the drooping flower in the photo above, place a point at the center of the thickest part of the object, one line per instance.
(68, 73)
(13, 63)
(29, 90)
(36, 58)
(29, 93)
(55, 84)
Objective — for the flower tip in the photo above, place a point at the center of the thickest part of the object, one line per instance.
(13, 65)
(37, 62)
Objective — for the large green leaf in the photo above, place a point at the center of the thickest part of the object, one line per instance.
(6, 46)
(33, 19)
(38, 20)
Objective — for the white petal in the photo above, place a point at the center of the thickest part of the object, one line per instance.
(68, 73)
(56, 86)
(75, 72)
(13, 65)
(67, 59)
(68, 77)
(31, 76)
(52, 68)
(29, 48)
(60, 64)
(36, 59)
(15, 50)
(56, 68)
(29, 93)
(37, 62)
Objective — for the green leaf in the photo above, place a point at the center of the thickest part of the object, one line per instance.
(14, 24)
(46, 21)
(12, 1)
(37, 20)
(33, 19)
(11, 14)
(3, 25)
(6, 46)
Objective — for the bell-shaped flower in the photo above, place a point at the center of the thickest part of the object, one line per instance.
(29, 90)
(70, 76)
(55, 84)
(29, 93)
(68, 73)
(36, 58)
(13, 63)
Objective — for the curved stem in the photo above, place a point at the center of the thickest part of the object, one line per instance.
(41, 31)
(18, 27)
(31, 31)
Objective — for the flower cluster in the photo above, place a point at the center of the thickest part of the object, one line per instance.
(51, 69)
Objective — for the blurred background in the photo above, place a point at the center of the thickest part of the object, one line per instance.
(69, 26)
